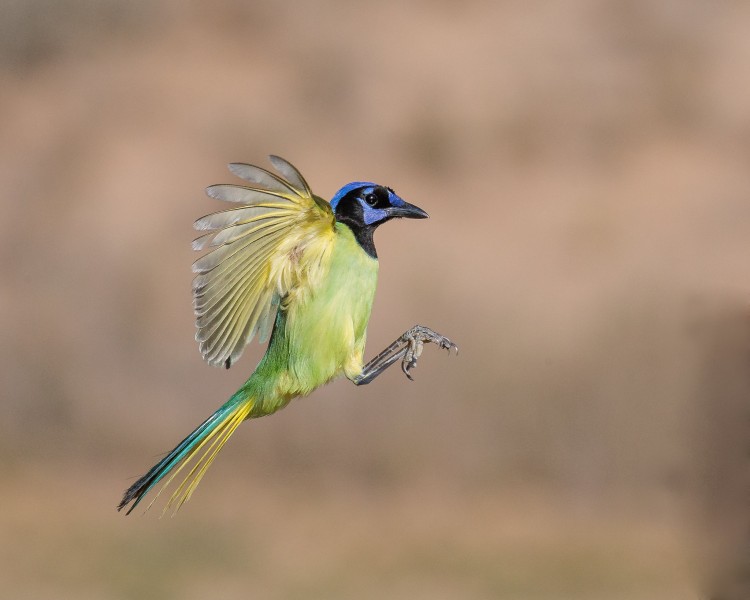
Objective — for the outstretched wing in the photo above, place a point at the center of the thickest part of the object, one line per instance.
(277, 240)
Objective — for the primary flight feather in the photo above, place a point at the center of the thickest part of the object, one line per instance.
(284, 262)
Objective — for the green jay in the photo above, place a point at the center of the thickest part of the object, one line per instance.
(285, 263)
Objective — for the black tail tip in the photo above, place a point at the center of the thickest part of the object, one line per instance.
(133, 494)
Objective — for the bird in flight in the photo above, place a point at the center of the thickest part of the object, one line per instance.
(285, 264)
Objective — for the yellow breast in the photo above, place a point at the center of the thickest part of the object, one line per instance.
(326, 329)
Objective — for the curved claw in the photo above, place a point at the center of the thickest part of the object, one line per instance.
(446, 344)
(408, 348)
(415, 339)
(413, 352)
(405, 366)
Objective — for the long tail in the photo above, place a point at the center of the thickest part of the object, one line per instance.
(198, 450)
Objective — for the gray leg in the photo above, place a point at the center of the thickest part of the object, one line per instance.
(407, 349)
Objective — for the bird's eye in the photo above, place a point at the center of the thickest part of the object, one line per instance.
(371, 199)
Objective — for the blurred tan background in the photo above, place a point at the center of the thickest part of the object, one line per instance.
(585, 166)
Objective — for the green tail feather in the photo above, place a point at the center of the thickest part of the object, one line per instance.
(198, 449)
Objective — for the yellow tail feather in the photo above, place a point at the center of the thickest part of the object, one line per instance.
(202, 456)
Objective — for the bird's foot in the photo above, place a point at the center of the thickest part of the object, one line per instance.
(415, 339)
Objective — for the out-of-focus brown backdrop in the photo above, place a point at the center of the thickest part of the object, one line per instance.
(586, 166)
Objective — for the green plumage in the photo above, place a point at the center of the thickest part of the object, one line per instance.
(287, 258)
(321, 334)
(317, 336)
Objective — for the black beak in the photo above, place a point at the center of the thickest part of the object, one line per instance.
(407, 211)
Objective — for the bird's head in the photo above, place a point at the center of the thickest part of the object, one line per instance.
(362, 206)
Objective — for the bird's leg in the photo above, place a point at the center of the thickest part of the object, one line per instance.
(406, 348)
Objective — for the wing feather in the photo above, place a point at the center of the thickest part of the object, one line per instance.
(230, 234)
(220, 316)
(264, 180)
(237, 216)
(237, 323)
(228, 253)
(226, 332)
(245, 194)
(215, 276)
(227, 301)
(230, 292)
(292, 175)
(273, 245)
